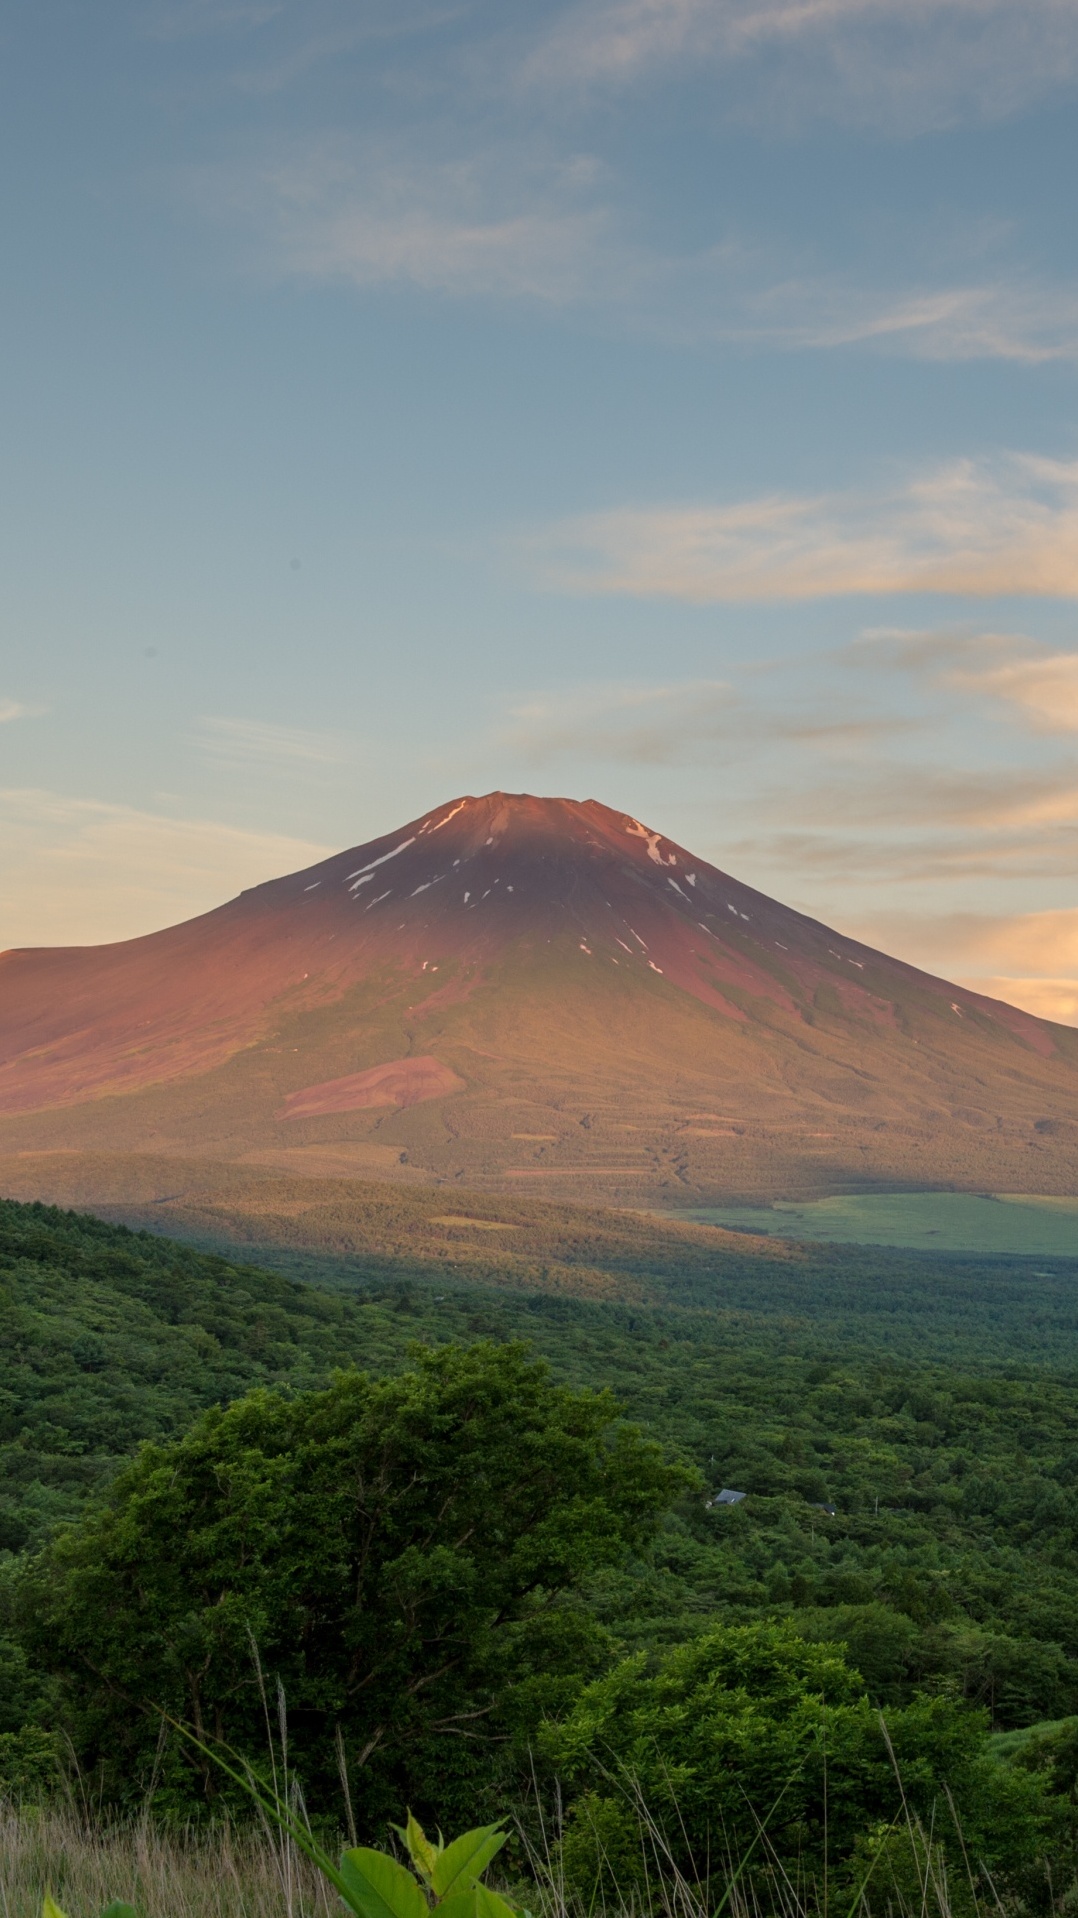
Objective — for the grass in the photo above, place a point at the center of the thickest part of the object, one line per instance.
(1007, 1745)
(225, 1873)
(1006, 1223)
(164, 1874)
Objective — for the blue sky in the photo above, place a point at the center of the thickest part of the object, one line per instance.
(665, 401)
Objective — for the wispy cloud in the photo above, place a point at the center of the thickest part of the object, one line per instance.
(674, 724)
(1029, 959)
(1055, 999)
(1038, 684)
(1008, 528)
(852, 865)
(858, 773)
(190, 19)
(891, 794)
(1043, 688)
(640, 724)
(242, 743)
(11, 709)
(903, 65)
(79, 871)
(1042, 943)
(1012, 317)
(494, 223)
(515, 219)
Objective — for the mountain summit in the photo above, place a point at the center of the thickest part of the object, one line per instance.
(539, 990)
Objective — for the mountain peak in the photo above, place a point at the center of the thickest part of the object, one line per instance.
(505, 967)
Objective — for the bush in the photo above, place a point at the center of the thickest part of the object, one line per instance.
(750, 1723)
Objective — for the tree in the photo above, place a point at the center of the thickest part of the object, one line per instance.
(749, 1723)
(401, 1552)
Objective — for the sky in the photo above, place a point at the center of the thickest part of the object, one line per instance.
(670, 402)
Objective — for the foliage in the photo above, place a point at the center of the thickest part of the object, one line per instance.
(115, 1910)
(468, 1536)
(749, 1721)
(950, 1563)
(31, 1763)
(400, 1551)
(109, 1337)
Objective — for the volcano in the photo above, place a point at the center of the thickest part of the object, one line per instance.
(533, 992)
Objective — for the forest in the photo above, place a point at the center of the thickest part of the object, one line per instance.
(182, 1435)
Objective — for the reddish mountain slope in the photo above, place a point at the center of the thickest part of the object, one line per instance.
(529, 988)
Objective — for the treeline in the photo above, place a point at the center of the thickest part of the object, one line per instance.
(458, 1565)
(950, 1557)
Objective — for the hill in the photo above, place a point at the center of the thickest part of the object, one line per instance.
(948, 1560)
(424, 1249)
(533, 995)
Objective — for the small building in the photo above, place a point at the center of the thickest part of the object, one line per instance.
(726, 1497)
(829, 1509)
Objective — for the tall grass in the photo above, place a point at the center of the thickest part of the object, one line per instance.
(901, 1870)
(256, 1872)
(164, 1874)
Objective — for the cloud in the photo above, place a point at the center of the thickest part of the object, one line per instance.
(192, 19)
(1044, 944)
(1038, 684)
(79, 871)
(635, 723)
(1014, 318)
(976, 529)
(641, 724)
(1044, 689)
(852, 863)
(492, 223)
(828, 786)
(899, 794)
(512, 219)
(240, 743)
(897, 66)
(11, 709)
(878, 823)
(1055, 999)
(1029, 959)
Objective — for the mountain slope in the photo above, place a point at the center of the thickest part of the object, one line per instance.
(538, 992)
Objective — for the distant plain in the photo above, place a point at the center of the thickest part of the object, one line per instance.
(1003, 1222)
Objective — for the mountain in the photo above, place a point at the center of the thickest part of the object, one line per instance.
(535, 993)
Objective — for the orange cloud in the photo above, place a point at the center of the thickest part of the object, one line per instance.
(1029, 959)
(80, 872)
(967, 529)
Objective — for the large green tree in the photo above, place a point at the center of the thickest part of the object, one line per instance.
(402, 1552)
(749, 1725)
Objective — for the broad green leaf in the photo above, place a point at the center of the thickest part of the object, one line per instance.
(477, 1902)
(460, 1905)
(380, 1888)
(466, 1859)
(491, 1904)
(422, 1853)
(48, 1909)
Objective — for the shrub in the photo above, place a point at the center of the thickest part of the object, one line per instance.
(750, 1723)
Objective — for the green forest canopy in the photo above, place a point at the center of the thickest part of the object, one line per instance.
(947, 1565)
(951, 1555)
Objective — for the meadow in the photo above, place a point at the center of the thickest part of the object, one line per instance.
(1001, 1222)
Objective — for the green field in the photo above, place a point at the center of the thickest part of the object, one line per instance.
(932, 1221)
